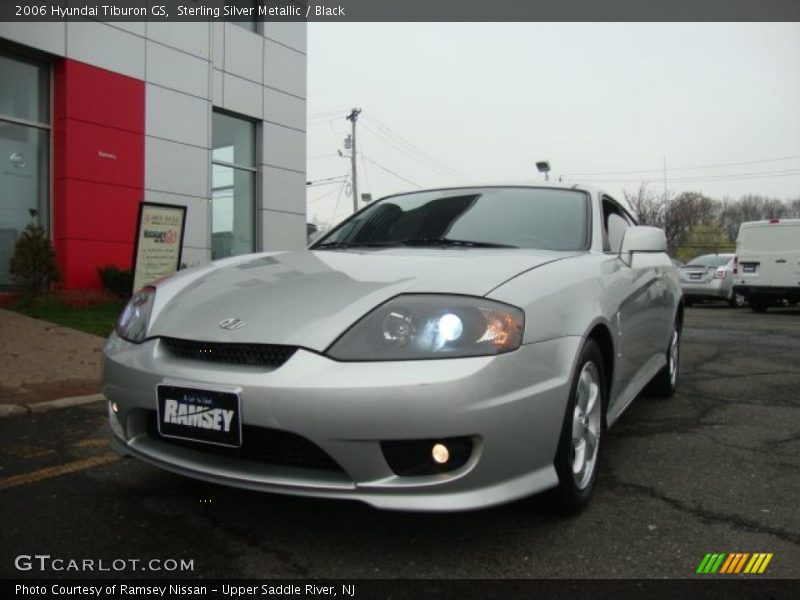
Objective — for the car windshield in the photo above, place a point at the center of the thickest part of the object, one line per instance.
(709, 260)
(515, 217)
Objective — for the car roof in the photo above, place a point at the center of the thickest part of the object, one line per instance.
(558, 185)
(748, 224)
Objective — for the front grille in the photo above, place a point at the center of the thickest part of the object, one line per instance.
(263, 355)
(259, 444)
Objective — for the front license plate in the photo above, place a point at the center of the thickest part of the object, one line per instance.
(199, 415)
(695, 275)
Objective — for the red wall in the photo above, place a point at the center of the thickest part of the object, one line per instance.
(98, 168)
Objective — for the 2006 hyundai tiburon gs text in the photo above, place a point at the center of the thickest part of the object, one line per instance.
(439, 350)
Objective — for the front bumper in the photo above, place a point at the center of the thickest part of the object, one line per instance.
(511, 406)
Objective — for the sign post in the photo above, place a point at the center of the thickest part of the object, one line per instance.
(159, 242)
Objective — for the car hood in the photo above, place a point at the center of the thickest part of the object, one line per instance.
(310, 298)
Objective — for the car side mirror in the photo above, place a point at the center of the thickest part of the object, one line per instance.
(642, 239)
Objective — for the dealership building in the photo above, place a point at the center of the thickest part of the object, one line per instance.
(96, 118)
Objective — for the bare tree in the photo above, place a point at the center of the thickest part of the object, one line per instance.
(676, 215)
(684, 212)
(794, 209)
(754, 208)
(647, 205)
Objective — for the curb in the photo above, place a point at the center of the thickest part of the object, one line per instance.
(13, 410)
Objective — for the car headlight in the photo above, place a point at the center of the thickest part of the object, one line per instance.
(135, 318)
(424, 326)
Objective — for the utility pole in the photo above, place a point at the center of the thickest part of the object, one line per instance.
(353, 117)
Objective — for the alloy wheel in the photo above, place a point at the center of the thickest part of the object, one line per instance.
(586, 425)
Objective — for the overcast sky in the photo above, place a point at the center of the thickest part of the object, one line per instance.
(599, 101)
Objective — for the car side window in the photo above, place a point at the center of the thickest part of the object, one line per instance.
(615, 222)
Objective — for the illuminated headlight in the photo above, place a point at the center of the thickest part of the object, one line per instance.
(135, 318)
(421, 326)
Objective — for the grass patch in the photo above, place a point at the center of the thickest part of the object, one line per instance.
(97, 319)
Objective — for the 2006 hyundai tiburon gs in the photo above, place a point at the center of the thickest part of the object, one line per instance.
(439, 350)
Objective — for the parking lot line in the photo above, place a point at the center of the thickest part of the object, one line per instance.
(57, 471)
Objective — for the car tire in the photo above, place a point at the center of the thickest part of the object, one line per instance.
(687, 302)
(664, 384)
(758, 306)
(736, 301)
(582, 433)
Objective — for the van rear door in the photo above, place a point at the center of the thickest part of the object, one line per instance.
(752, 247)
(769, 254)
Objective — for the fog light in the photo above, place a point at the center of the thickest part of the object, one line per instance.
(440, 454)
(113, 420)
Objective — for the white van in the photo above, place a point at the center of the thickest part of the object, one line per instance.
(767, 265)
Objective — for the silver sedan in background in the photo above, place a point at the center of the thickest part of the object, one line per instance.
(440, 350)
(709, 277)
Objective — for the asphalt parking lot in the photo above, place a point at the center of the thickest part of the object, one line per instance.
(714, 469)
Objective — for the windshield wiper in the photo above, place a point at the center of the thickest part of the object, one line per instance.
(443, 241)
(342, 245)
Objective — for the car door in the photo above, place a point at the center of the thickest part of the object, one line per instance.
(753, 249)
(633, 289)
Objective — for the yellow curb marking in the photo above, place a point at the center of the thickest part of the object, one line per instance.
(91, 443)
(47, 473)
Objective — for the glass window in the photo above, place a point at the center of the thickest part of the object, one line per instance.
(24, 94)
(615, 222)
(234, 140)
(616, 231)
(710, 260)
(233, 186)
(516, 216)
(24, 151)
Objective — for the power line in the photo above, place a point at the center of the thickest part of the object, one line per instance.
(337, 180)
(380, 166)
(717, 166)
(326, 113)
(711, 178)
(413, 147)
(366, 172)
(416, 158)
(410, 147)
(336, 206)
(323, 196)
(323, 179)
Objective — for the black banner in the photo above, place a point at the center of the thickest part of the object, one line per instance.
(401, 589)
(400, 11)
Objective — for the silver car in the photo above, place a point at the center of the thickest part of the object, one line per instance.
(709, 277)
(439, 350)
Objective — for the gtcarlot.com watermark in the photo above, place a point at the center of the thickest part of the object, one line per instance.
(47, 563)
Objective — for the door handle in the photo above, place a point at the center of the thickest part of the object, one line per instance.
(781, 260)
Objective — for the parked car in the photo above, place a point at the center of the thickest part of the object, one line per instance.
(767, 269)
(439, 350)
(709, 277)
